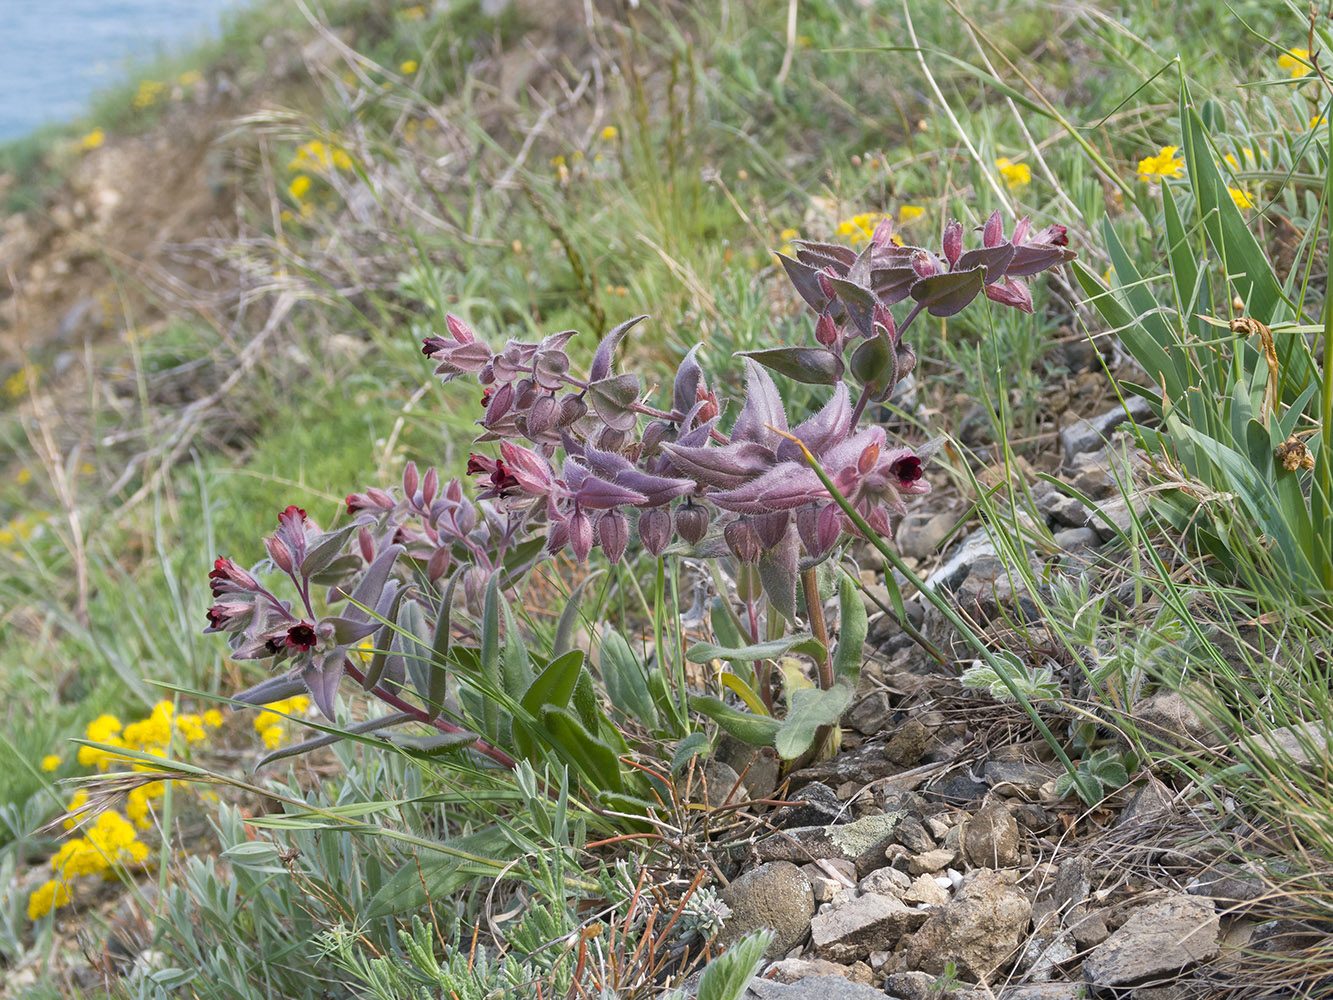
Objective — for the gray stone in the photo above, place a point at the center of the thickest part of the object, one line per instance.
(978, 930)
(812, 988)
(910, 985)
(958, 786)
(926, 889)
(990, 838)
(793, 970)
(913, 836)
(814, 805)
(862, 842)
(757, 766)
(908, 744)
(885, 882)
(932, 861)
(870, 714)
(920, 533)
(1163, 937)
(1074, 540)
(1090, 434)
(1231, 889)
(1166, 717)
(976, 547)
(721, 785)
(867, 923)
(1043, 955)
(1117, 515)
(1072, 883)
(1152, 805)
(1018, 778)
(775, 895)
(1088, 925)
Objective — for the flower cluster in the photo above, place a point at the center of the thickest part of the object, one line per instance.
(111, 842)
(1165, 164)
(586, 461)
(1016, 175)
(269, 722)
(150, 735)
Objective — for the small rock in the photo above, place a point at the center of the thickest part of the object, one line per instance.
(977, 931)
(959, 786)
(1167, 718)
(793, 970)
(1163, 937)
(926, 890)
(990, 838)
(1088, 925)
(910, 985)
(1089, 434)
(920, 533)
(862, 842)
(1042, 955)
(870, 715)
(1152, 805)
(870, 922)
(814, 805)
(885, 882)
(775, 895)
(913, 836)
(1117, 515)
(1074, 540)
(908, 744)
(758, 766)
(931, 861)
(1230, 889)
(1286, 934)
(721, 785)
(1018, 778)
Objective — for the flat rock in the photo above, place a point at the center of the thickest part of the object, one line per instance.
(793, 970)
(921, 532)
(1163, 937)
(1086, 434)
(913, 836)
(886, 882)
(776, 895)
(978, 931)
(1167, 717)
(812, 988)
(911, 986)
(1152, 805)
(1018, 778)
(908, 745)
(931, 861)
(861, 842)
(926, 889)
(814, 805)
(867, 923)
(870, 714)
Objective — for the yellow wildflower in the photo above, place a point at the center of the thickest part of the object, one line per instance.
(1295, 62)
(1015, 174)
(1165, 164)
(299, 186)
(50, 895)
(74, 806)
(408, 66)
(213, 718)
(859, 228)
(610, 133)
(24, 476)
(148, 93)
(1318, 121)
(412, 13)
(1241, 199)
(906, 213)
(92, 140)
(189, 78)
(318, 157)
(50, 762)
(272, 737)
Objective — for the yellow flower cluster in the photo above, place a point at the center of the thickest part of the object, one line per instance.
(1295, 62)
(148, 93)
(1015, 175)
(150, 735)
(609, 133)
(268, 723)
(859, 228)
(48, 896)
(111, 841)
(408, 66)
(19, 529)
(906, 213)
(17, 385)
(319, 158)
(1165, 164)
(92, 140)
(189, 78)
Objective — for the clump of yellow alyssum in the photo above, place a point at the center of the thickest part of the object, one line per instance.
(269, 722)
(148, 93)
(1015, 175)
(151, 735)
(859, 228)
(50, 895)
(1165, 164)
(319, 157)
(1296, 62)
(92, 140)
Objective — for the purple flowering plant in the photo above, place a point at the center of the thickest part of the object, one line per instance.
(584, 462)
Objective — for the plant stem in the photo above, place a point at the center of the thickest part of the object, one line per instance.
(815, 609)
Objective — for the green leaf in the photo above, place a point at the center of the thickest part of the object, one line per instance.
(593, 759)
(564, 628)
(756, 730)
(437, 876)
(410, 642)
(439, 678)
(807, 711)
(626, 684)
(702, 652)
(555, 684)
(490, 655)
(694, 745)
(515, 660)
(727, 976)
(853, 627)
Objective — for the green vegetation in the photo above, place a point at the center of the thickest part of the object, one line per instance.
(409, 163)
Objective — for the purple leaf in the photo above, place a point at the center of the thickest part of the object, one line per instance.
(686, 385)
(892, 284)
(994, 259)
(805, 279)
(827, 427)
(724, 466)
(811, 365)
(321, 679)
(859, 303)
(822, 255)
(603, 360)
(948, 294)
(596, 493)
(783, 487)
(762, 410)
(612, 398)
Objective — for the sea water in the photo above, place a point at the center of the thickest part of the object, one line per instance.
(55, 54)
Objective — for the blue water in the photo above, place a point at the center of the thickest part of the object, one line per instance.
(55, 54)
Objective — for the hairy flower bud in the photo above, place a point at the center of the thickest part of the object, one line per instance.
(501, 402)
(742, 540)
(487, 374)
(692, 521)
(770, 528)
(611, 439)
(525, 393)
(572, 408)
(580, 535)
(279, 553)
(366, 543)
(655, 529)
(653, 435)
(953, 242)
(826, 331)
(613, 534)
(541, 415)
(411, 479)
(430, 486)
(439, 563)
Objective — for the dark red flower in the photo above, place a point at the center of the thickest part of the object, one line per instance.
(228, 578)
(302, 637)
(501, 481)
(907, 469)
(486, 395)
(431, 345)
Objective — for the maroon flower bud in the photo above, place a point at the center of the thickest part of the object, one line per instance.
(525, 393)
(613, 534)
(380, 497)
(653, 435)
(411, 479)
(826, 331)
(541, 415)
(925, 264)
(710, 409)
(228, 578)
(502, 400)
(572, 408)
(867, 459)
(655, 529)
(461, 331)
(366, 543)
(439, 563)
(826, 285)
(487, 374)
(992, 234)
(226, 615)
(356, 502)
(770, 528)
(611, 439)
(691, 521)
(474, 587)
(430, 487)
(953, 242)
(742, 540)
(279, 553)
(580, 535)
(819, 528)
(301, 636)
(557, 537)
